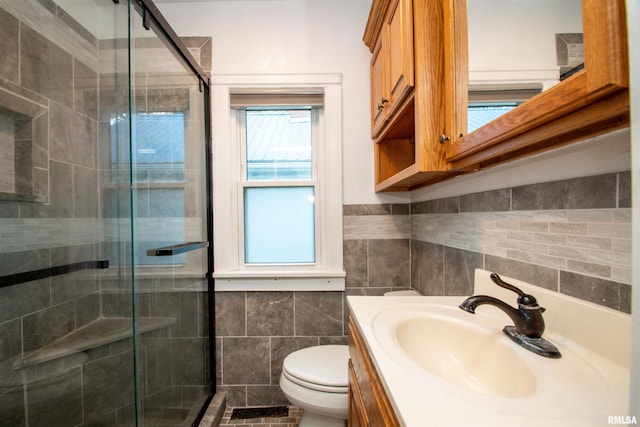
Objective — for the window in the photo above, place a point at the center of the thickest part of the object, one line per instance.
(277, 182)
(490, 101)
(481, 113)
(158, 174)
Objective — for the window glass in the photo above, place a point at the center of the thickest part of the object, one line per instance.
(481, 113)
(159, 146)
(279, 225)
(278, 144)
(158, 170)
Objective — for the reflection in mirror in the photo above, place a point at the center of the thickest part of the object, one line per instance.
(487, 102)
(518, 48)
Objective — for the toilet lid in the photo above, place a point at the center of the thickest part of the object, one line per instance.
(325, 365)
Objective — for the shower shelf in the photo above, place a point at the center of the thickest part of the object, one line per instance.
(177, 249)
(97, 333)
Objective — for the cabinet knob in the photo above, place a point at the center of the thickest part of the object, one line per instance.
(382, 102)
(444, 138)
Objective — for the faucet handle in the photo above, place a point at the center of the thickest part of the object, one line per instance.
(498, 281)
(523, 299)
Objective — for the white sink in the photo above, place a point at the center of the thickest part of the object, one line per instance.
(465, 354)
(461, 369)
(437, 342)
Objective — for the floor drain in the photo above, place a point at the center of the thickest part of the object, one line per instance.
(267, 412)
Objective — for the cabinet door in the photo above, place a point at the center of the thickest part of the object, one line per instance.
(378, 87)
(399, 29)
(368, 400)
(357, 413)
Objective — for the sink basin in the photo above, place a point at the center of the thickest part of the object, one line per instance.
(475, 358)
(443, 345)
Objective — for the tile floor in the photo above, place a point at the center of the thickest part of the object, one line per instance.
(291, 421)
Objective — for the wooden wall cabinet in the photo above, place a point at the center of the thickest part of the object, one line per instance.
(369, 405)
(422, 139)
(408, 91)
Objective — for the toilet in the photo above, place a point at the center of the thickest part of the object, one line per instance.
(316, 380)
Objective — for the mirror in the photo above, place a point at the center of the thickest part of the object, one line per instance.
(518, 48)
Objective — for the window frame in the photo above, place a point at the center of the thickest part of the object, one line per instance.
(230, 272)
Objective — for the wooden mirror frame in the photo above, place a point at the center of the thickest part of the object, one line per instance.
(591, 102)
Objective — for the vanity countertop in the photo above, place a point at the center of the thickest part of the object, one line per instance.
(588, 335)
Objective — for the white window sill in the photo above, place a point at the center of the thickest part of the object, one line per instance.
(284, 281)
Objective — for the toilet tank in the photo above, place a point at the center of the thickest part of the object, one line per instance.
(405, 293)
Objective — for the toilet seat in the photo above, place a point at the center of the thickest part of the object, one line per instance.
(314, 386)
(322, 368)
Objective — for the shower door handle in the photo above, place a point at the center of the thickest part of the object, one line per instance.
(43, 273)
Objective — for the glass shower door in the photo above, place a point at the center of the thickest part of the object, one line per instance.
(102, 167)
(169, 230)
(66, 355)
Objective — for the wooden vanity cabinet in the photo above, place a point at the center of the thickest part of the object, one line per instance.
(369, 405)
(409, 88)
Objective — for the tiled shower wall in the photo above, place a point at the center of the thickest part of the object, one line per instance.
(49, 86)
(50, 89)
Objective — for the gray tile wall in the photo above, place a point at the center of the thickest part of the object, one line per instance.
(572, 236)
(256, 330)
(53, 97)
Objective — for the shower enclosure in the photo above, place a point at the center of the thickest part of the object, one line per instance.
(105, 262)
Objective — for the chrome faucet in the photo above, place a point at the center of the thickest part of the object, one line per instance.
(528, 324)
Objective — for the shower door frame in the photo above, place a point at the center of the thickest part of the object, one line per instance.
(151, 16)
